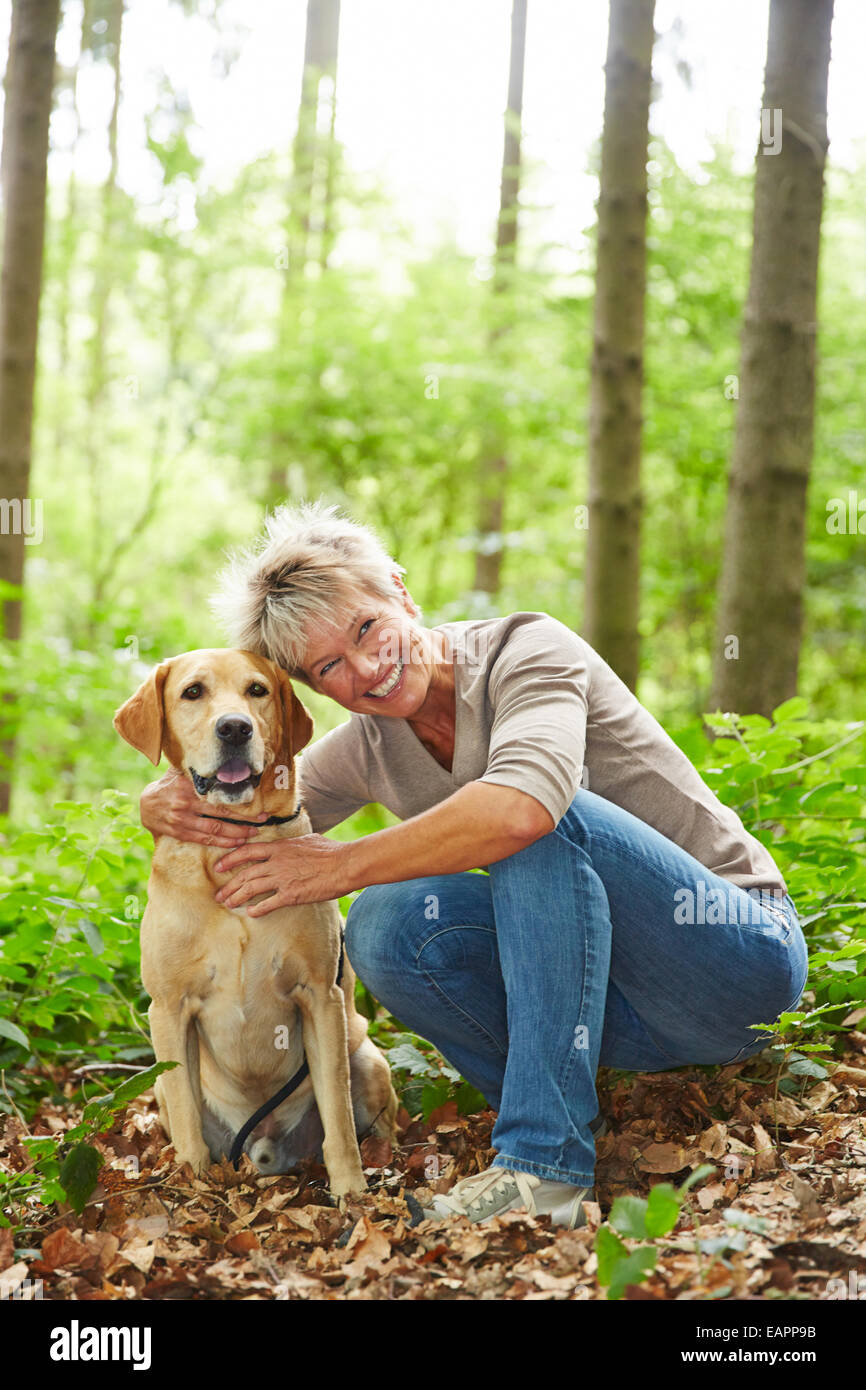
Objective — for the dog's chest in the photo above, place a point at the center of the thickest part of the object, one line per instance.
(244, 978)
(251, 969)
(247, 1014)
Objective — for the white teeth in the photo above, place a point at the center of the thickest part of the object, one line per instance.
(387, 686)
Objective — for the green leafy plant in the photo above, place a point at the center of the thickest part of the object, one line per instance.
(424, 1080)
(638, 1218)
(798, 786)
(71, 897)
(65, 1168)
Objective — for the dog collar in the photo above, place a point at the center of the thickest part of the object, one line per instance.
(271, 820)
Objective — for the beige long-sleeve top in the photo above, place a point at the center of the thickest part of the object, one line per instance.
(537, 709)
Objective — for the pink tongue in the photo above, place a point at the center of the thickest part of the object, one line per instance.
(236, 770)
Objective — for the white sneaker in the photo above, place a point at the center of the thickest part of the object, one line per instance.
(495, 1190)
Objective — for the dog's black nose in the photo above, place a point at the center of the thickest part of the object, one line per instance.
(234, 728)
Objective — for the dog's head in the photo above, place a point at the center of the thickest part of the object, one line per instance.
(222, 716)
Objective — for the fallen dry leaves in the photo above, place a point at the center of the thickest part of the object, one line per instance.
(152, 1230)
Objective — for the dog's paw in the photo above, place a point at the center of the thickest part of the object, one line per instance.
(350, 1186)
(199, 1159)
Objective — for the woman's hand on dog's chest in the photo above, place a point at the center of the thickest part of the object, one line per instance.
(301, 869)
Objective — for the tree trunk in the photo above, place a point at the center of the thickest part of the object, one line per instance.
(313, 164)
(493, 476)
(25, 155)
(320, 62)
(68, 235)
(615, 420)
(329, 160)
(7, 89)
(99, 309)
(760, 590)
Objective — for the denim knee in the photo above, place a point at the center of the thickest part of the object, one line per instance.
(375, 929)
(573, 828)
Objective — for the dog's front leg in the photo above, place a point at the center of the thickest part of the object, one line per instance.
(175, 1040)
(326, 1046)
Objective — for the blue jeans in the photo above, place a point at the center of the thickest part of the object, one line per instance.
(602, 943)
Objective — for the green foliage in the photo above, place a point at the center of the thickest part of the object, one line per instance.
(65, 1168)
(78, 1174)
(798, 785)
(424, 1080)
(71, 898)
(637, 1218)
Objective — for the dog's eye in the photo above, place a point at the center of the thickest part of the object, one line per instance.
(192, 692)
(257, 689)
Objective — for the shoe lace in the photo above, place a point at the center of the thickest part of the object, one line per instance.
(481, 1189)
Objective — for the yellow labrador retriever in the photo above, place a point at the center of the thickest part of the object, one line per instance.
(239, 1000)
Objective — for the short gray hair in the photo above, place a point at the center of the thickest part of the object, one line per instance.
(309, 565)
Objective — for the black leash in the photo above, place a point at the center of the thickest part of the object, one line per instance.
(303, 1071)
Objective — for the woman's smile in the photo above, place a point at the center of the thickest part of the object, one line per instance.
(390, 685)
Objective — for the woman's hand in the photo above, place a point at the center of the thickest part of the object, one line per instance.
(304, 869)
(171, 807)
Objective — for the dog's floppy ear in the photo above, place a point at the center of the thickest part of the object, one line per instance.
(297, 720)
(141, 721)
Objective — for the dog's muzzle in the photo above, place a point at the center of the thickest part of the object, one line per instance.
(235, 774)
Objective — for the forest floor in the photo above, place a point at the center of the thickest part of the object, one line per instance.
(793, 1167)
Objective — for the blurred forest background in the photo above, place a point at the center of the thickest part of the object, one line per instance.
(209, 347)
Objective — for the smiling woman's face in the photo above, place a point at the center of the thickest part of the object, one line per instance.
(373, 658)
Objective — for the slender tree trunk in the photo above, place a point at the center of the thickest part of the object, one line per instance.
(69, 234)
(25, 154)
(761, 586)
(99, 310)
(312, 185)
(102, 277)
(493, 476)
(7, 89)
(615, 416)
(330, 160)
(320, 62)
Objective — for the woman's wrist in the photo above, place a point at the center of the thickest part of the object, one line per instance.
(151, 799)
(354, 863)
(144, 804)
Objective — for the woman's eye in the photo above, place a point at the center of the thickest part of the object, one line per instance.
(325, 669)
(192, 692)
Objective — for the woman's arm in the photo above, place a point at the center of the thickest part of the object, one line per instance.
(479, 824)
(476, 826)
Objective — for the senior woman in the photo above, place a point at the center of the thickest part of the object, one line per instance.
(626, 918)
